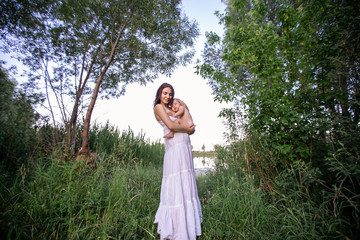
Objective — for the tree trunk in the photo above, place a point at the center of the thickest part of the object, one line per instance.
(71, 125)
(85, 149)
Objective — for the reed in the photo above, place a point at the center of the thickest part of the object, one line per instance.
(234, 207)
(125, 146)
(56, 202)
(53, 199)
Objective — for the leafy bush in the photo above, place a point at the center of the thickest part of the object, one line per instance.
(17, 119)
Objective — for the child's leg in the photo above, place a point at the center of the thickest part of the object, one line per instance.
(171, 133)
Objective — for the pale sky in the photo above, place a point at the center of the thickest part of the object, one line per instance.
(135, 108)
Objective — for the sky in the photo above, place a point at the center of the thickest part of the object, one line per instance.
(134, 110)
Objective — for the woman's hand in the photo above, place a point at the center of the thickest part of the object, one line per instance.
(191, 130)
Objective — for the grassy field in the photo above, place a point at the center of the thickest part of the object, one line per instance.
(119, 201)
(48, 198)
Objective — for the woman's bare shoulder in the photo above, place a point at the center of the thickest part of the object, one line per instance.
(159, 110)
(158, 107)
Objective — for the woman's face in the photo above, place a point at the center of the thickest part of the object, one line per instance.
(166, 95)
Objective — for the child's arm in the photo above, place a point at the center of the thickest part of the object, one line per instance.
(169, 113)
(180, 112)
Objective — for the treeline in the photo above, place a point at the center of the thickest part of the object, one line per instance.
(292, 70)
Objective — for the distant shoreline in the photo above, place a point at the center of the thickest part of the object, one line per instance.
(204, 154)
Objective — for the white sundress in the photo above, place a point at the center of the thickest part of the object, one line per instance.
(179, 214)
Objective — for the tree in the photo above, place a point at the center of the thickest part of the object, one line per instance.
(90, 47)
(293, 66)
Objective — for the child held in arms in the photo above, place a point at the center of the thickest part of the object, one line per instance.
(179, 109)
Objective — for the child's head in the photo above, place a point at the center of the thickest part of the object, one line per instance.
(175, 105)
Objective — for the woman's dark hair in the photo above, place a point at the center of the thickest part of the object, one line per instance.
(159, 91)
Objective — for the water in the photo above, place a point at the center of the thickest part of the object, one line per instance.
(203, 165)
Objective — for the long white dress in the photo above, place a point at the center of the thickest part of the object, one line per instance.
(179, 214)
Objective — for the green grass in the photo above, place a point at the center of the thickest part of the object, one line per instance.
(119, 201)
(52, 199)
(234, 208)
(56, 202)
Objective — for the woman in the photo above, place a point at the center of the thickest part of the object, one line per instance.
(179, 214)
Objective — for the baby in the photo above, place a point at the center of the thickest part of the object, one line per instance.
(179, 111)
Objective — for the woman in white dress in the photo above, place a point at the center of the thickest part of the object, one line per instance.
(179, 214)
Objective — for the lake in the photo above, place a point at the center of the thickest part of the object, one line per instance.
(203, 165)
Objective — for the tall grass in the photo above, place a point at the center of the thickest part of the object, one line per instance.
(303, 202)
(234, 207)
(60, 201)
(52, 199)
(119, 201)
(124, 145)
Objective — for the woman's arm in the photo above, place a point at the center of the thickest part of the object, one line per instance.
(183, 104)
(161, 115)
